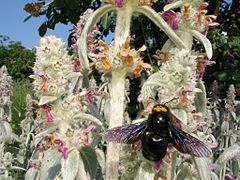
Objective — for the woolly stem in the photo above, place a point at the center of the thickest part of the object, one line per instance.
(116, 119)
(173, 165)
(223, 170)
(117, 90)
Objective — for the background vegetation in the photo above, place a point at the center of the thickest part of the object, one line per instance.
(225, 40)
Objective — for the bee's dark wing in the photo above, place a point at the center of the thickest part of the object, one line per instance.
(186, 143)
(128, 133)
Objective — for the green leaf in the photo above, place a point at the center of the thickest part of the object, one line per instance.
(70, 165)
(47, 99)
(5, 131)
(51, 162)
(203, 168)
(105, 21)
(89, 159)
(145, 171)
(222, 76)
(200, 98)
(94, 111)
(155, 68)
(31, 173)
(42, 29)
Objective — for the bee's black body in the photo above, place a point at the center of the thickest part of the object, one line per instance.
(154, 141)
(155, 135)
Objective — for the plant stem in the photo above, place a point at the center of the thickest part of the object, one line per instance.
(116, 118)
(117, 86)
(173, 165)
(223, 171)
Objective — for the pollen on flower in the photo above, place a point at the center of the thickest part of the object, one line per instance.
(126, 58)
(137, 70)
(186, 11)
(184, 97)
(105, 63)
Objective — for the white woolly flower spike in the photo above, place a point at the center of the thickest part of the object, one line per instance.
(52, 69)
(175, 79)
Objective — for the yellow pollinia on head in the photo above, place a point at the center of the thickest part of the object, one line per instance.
(160, 109)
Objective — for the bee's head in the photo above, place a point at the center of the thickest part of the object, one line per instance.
(160, 108)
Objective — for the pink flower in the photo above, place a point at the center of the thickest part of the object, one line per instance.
(44, 77)
(36, 164)
(208, 21)
(58, 142)
(119, 3)
(89, 95)
(202, 63)
(157, 164)
(214, 145)
(201, 123)
(230, 177)
(50, 117)
(183, 96)
(74, 46)
(85, 133)
(171, 18)
(63, 150)
(76, 65)
(61, 147)
(48, 109)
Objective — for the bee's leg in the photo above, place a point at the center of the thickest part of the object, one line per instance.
(136, 146)
(158, 175)
(168, 155)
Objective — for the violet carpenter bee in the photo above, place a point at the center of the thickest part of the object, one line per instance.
(156, 133)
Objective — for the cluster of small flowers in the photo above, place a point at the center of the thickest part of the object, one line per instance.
(77, 31)
(130, 59)
(59, 107)
(52, 68)
(53, 71)
(176, 79)
(192, 16)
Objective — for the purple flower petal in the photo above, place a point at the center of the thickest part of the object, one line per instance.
(64, 152)
(157, 164)
(89, 129)
(171, 18)
(201, 123)
(58, 142)
(230, 177)
(119, 3)
(50, 117)
(214, 145)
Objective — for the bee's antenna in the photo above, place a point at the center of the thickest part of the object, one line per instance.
(171, 100)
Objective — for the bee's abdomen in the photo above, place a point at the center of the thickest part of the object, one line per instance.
(154, 148)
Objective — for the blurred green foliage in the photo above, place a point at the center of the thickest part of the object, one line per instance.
(19, 62)
(18, 59)
(226, 47)
(20, 90)
(227, 54)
